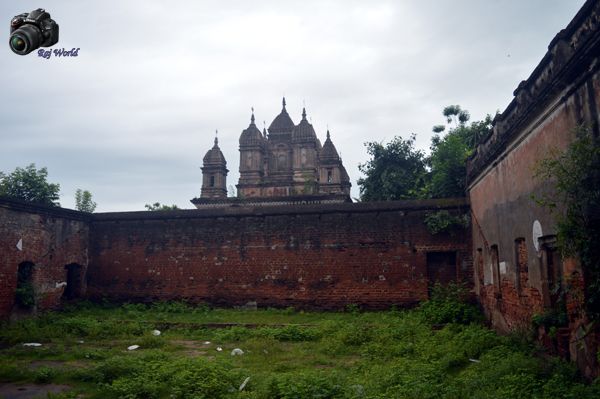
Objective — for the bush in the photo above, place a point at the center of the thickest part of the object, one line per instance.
(306, 385)
(44, 375)
(448, 304)
(179, 379)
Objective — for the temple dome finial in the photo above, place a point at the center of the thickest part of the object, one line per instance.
(216, 138)
(252, 117)
(303, 112)
(283, 102)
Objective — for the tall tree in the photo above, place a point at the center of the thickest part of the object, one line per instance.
(396, 171)
(448, 157)
(30, 184)
(83, 201)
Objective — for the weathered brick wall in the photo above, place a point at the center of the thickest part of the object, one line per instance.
(561, 95)
(50, 239)
(318, 256)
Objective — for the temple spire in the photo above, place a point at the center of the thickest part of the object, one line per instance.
(304, 113)
(283, 102)
(328, 134)
(216, 138)
(252, 117)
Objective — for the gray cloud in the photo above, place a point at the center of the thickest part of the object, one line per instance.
(131, 118)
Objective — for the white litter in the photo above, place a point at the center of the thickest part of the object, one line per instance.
(219, 349)
(32, 344)
(237, 352)
(475, 360)
(156, 333)
(132, 347)
(80, 342)
(206, 342)
(244, 383)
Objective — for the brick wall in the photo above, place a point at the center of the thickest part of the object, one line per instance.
(514, 238)
(50, 238)
(317, 256)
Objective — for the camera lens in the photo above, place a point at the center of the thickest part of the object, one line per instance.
(17, 44)
(25, 39)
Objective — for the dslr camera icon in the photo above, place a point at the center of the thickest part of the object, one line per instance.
(31, 31)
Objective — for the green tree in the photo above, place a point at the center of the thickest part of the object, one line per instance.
(83, 201)
(30, 184)
(448, 158)
(157, 206)
(396, 171)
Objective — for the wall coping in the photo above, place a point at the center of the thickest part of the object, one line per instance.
(297, 209)
(42, 209)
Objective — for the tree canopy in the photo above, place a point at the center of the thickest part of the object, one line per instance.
(399, 171)
(396, 171)
(30, 184)
(84, 202)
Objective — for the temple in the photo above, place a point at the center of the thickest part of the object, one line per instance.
(285, 165)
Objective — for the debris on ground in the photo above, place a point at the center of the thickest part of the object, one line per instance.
(156, 333)
(237, 352)
(475, 361)
(244, 384)
(32, 344)
(132, 347)
(219, 349)
(206, 342)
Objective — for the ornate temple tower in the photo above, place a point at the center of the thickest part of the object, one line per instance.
(252, 154)
(333, 178)
(279, 152)
(214, 173)
(305, 147)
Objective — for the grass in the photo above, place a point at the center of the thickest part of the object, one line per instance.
(435, 351)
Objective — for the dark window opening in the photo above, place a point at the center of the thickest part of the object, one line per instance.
(441, 268)
(495, 267)
(554, 271)
(212, 180)
(479, 266)
(521, 270)
(329, 176)
(24, 293)
(74, 281)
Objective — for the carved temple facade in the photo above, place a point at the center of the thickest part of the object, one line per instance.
(286, 164)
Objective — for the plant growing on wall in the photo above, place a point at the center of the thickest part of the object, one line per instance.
(575, 200)
(445, 222)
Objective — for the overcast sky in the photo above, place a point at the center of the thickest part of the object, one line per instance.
(132, 116)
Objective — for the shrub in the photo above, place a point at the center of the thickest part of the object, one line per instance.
(44, 375)
(448, 304)
(306, 385)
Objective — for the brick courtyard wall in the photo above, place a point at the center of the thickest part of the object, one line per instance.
(514, 238)
(50, 238)
(312, 256)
